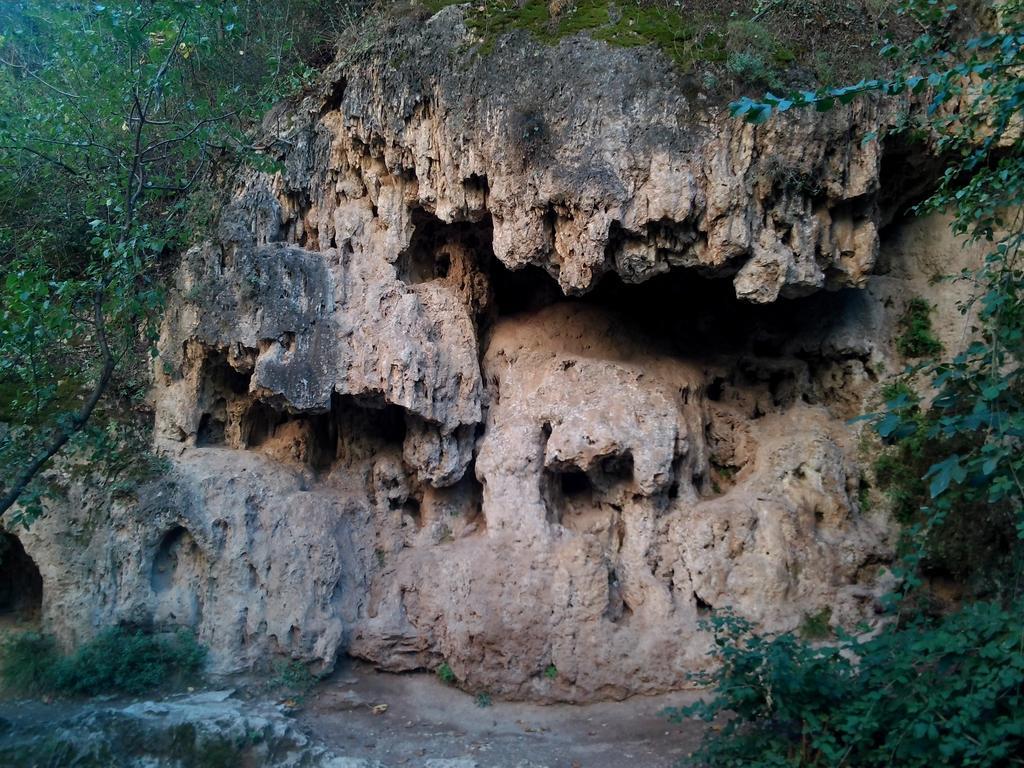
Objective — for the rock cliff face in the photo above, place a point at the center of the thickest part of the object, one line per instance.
(514, 366)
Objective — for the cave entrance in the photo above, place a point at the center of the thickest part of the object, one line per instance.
(435, 243)
(352, 426)
(21, 584)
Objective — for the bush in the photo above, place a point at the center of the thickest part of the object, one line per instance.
(27, 661)
(117, 661)
(294, 677)
(750, 68)
(949, 692)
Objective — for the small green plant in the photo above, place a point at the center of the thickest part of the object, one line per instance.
(816, 626)
(293, 676)
(916, 337)
(445, 674)
(750, 68)
(864, 501)
(197, 293)
(551, 672)
(483, 700)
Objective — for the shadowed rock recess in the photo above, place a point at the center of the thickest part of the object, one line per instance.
(523, 364)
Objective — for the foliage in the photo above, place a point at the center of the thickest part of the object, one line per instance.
(111, 115)
(970, 540)
(750, 68)
(551, 672)
(924, 690)
(116, 661)
(948, 693)
(816, 626)
(483, 700)
(294, 676)
(758, 43)
(27, 661)
(445, 674)
(975, 101)
(916, 338)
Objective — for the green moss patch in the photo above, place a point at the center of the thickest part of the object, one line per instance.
(752, 44)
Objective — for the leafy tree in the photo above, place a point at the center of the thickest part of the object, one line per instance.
(924, 690)
(116, 119)
(973, 103)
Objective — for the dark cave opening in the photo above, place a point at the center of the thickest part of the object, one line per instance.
(701, 316)
(434, 243)
(569, 491)
(695, 318)
(320, 439)
(221, 383)
(617, 468)
(21, 583)
(703, 607)
(219, 376)
(574, 482)
(693, 315)
(211, 431)
(523, 290)
(909, 172)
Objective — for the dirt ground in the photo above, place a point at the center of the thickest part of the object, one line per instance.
(370, 718)
(426, 720)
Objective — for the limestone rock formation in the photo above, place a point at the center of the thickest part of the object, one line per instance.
(208, 728)
(515, 365)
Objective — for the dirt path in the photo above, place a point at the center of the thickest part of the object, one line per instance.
(357, 718)
(427, 722)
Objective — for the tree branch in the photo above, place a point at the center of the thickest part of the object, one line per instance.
(42, 156)
(61, 435)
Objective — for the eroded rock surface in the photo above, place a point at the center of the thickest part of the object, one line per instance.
(515, 367)
(208, 728)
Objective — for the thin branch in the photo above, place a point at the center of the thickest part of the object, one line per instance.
(42, 156)
(62, 435)
(164, 66)
(34, 76)
(184, 136)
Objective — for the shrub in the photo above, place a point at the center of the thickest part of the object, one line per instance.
(926, 694)
(294, 676)
(129, 662)
(816, 626)
(750, 68)
(117, 661)
(27, 661)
